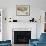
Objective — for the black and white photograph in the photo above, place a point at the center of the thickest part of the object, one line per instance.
(22, 22)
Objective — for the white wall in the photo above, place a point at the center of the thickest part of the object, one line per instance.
(35, 3)
(40, 26)
(4, 24)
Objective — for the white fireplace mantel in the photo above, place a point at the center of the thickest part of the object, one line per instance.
(25, 27)
(21, 29)
(14, 26)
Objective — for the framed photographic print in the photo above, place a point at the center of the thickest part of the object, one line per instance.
(22, 10)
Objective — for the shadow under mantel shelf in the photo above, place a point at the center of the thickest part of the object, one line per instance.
(24, 22)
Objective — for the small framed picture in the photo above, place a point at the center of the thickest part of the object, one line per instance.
(22, 10)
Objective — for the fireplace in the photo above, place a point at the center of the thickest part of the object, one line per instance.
(22, 37)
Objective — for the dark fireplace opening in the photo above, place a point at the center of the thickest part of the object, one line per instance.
(22, 37)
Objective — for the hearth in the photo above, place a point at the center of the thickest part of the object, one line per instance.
(22, 37)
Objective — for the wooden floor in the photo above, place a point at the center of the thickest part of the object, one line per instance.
(20, 45)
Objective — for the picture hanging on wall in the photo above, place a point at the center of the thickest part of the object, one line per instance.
(22, 10)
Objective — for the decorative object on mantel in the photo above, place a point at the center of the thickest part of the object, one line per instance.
(32, 20)
(38, 19)
(10, 19)
(0, 14)
(22, 10)
(14, 20)
(5, 18)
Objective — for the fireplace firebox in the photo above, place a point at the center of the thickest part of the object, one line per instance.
(22, 37)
